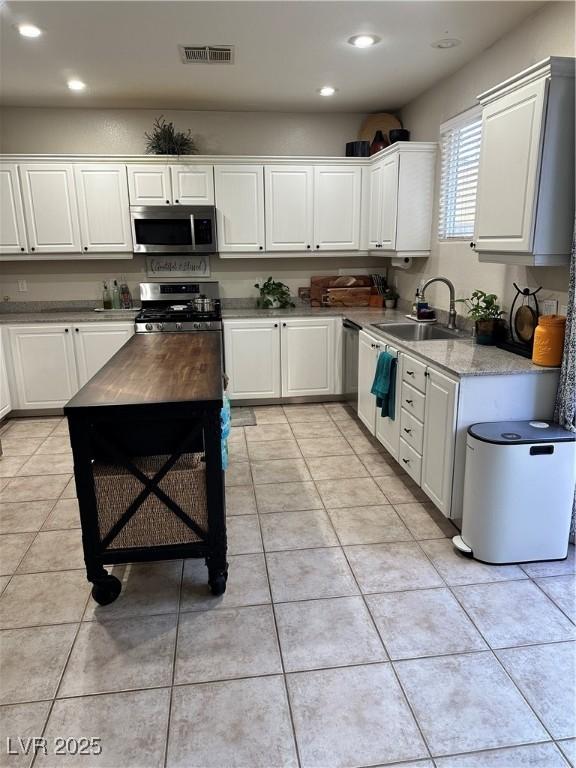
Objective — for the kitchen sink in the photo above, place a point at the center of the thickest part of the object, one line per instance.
(417, 331)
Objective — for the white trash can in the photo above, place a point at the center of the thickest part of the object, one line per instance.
(518, 492)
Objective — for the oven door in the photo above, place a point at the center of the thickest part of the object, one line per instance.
(178, 229)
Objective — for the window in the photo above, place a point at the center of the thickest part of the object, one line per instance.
(460, 150)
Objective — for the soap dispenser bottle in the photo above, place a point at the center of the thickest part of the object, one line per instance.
(116, 304)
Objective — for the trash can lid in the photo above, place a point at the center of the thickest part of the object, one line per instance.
(507, 432)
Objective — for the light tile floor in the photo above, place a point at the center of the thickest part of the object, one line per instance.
(351, 634)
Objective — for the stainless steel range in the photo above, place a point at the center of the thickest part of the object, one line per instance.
(179, 308)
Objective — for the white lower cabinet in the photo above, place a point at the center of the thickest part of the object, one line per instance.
(307, 357)
(291, 357)
(95, 344)
(5, 397)
(49, 363)
(439, 437)
(44, 365)
(368, 349)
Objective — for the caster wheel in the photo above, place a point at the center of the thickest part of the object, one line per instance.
(217, 581)
(106, 590)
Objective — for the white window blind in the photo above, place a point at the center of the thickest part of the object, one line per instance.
(460, 151)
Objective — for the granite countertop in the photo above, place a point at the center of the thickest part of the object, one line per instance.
(459, 356)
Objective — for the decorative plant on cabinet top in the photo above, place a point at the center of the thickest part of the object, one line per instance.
(166, 140)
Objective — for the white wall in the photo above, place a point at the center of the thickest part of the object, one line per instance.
(121, 131)
(548, 32)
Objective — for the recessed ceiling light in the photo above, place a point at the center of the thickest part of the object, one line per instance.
(448, 42)
(363, 41)
(29, 30)
(76, 85)
(327, 90)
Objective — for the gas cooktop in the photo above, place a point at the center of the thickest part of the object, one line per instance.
(170, 308)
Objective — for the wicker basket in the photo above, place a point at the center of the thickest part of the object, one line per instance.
(153, 523)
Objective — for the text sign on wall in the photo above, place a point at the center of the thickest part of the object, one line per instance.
(180, 265)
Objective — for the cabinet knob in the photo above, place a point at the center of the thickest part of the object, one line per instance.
(275, 325)
(32, 249)
(406, 461)
(176, 201)
(85, 247)
(260, 247)
(167, 202)
(410, 373)
(77, 330)
(317, 246)
(408, 431)
(284, 325)
(472, 244)
(308, 246)
(409, 402)
(66, 330)
(426, 374)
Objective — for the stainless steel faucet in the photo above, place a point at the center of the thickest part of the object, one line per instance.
(452, 310)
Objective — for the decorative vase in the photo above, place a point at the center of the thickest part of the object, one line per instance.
(378, 142)
(489, 332)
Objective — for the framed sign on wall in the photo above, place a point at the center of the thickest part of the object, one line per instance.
(178, 265)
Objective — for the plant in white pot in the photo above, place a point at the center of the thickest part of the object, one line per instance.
(390, 298)
(273, 295)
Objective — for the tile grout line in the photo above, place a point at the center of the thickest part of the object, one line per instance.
(174, 657)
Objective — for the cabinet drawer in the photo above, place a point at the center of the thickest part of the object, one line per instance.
(414, 373)
(410, 461)
(411, 430)
(413, 401)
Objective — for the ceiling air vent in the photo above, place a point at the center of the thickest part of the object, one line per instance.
(207, 54)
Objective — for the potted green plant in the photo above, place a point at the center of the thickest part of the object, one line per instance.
(390, 298)
(273, 295)
(484, 309)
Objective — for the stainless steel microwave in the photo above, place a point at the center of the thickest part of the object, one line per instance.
(174, 229)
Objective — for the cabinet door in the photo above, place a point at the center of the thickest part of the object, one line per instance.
(149, 185)
(389, 202)
(252, 358)
(368, 349)
(239, 195)
(439, 439)
(289, 208)
(51, 209)
(387, 429)
(512, 133)
(96, 343)
(374, 230)
(103, 207)
(307, 357)
(44, 367)
(5, 399)
(337, 208)
(12, 230)
(192, 184)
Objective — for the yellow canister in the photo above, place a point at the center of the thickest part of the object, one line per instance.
(549, 340)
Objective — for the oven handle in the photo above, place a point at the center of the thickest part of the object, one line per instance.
(193, 234)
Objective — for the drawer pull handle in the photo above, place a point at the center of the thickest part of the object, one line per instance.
(406, 461)
(408, 431)
(410, 373)
(409, 402)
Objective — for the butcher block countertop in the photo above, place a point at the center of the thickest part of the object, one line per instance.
(154, 368)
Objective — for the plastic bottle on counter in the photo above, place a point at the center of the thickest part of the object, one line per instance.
(125, 296)
(116, 296)
(106, 298)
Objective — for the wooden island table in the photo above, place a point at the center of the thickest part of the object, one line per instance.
(146, 440)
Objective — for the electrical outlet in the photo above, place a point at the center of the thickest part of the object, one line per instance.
(22, 286)
(549, 307)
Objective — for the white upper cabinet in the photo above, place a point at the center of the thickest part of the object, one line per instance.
(525, 204)
(389, 202)
(192, 184)
(289, 208)
(239, 195)
(12, 230)
(307, 356)
(149, 185)
(400, 197)
(51, 209)
(103, 207)
(337, 208)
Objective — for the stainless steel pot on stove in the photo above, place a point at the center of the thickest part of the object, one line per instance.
(202, 304)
